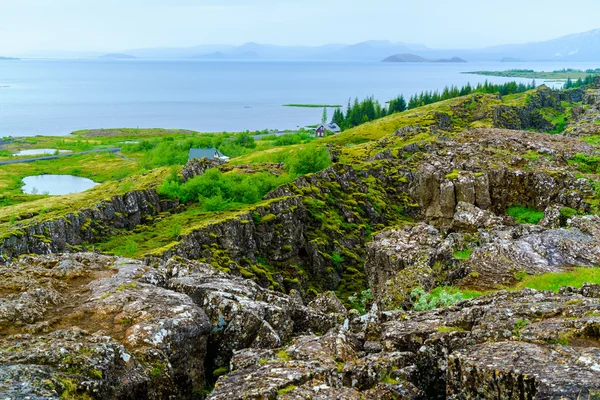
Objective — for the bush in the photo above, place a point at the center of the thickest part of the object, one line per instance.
(310, 160)
(362, 301)
(216, 191)
(439, 297)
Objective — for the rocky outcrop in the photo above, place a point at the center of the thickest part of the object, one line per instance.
(107, 327)
(585, 118)
(460, 171)
(84, 226)
(529, 115)
(401, 260)
(197, 167)
(103, 331)
(525, 344)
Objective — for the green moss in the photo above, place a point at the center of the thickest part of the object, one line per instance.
(96, 374)
(282, 354)
(525, 215)
(285, 390)
(386, 378)
(453, 175)
(464, 254)
(447, 329)
(220, 371)
(268, 218)
(158, 369)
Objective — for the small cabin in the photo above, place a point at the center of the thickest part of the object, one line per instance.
(211, 154)
(324, 128)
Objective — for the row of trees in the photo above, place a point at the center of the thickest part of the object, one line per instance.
(588, 80)
(359, 112)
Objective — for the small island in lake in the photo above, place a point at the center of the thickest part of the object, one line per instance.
(7, 58)
(403, 58)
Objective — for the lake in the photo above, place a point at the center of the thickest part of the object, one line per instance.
(56, 97)
(39, 152)
(56, 185)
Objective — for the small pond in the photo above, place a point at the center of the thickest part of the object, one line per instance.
(56, 185)
(39, 152)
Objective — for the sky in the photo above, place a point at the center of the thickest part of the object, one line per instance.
(117, 25)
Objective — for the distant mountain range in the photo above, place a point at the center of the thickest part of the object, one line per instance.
(577, 47)
(402, 58)
(117, 56)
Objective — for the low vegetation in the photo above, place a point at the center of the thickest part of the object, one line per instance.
(525, 215)
(439, 297)
(531, 74)
(554, 281)
(216, 191)
(314, 105)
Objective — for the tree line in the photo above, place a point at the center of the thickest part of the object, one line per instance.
(369, 109)
(588, 80)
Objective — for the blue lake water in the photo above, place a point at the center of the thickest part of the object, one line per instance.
(56, 97)
(56, 184)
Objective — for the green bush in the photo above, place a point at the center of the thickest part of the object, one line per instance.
(216, 191)
(361, 301)
(309, 160)
(525, 215)
(439, 297)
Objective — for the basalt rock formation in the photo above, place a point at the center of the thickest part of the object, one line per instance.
(84, 226)
(109, 327)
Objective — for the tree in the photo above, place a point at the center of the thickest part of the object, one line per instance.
(324, 117)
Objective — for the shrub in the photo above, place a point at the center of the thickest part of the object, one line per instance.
(215, 191)
(360, 302)
(310, 160)
(439, 297)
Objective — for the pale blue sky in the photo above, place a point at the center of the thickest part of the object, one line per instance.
(112, 25)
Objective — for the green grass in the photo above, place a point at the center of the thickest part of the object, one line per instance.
(525, 215)
(558, 75)
(314, 105)
(554, 281)
(462, 254)
(160, 233)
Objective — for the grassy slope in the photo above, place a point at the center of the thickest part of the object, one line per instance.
(43, 209)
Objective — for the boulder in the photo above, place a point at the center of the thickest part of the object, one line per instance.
(399, 260)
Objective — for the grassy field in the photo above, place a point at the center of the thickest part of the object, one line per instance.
(314, 105)
(530, 74)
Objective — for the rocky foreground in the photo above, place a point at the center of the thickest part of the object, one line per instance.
(86, 325)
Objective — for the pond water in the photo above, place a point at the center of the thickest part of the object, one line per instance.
(39, 152)
(56, 185)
